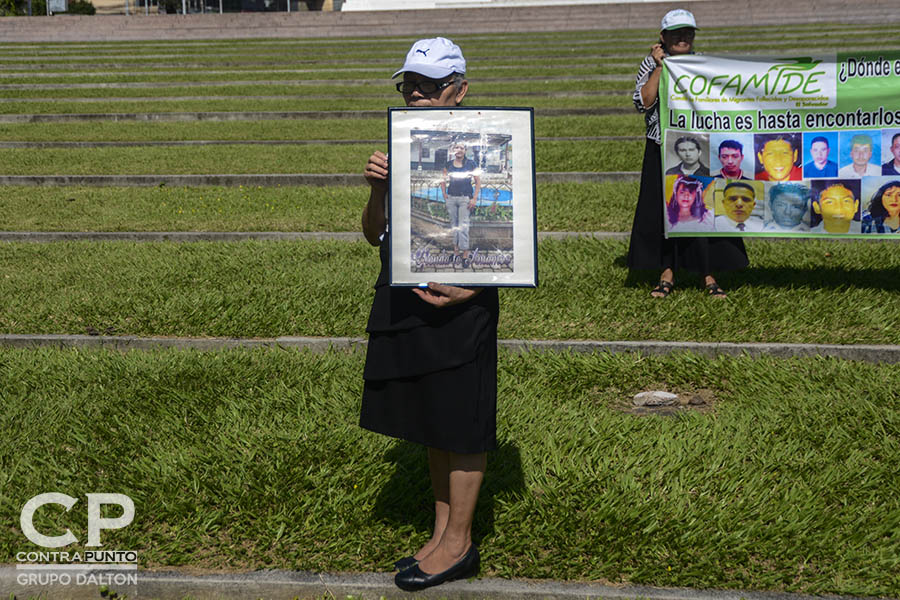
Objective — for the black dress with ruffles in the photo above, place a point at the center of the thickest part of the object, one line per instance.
(431, 373)
(649, 248)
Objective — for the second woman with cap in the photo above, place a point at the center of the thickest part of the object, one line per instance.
(649, 249)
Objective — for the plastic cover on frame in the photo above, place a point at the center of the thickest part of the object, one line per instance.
(462, 196)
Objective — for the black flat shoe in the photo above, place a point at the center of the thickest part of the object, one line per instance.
(413, 578)
(405, 563)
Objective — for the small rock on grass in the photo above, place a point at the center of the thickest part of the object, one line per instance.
(655, 398)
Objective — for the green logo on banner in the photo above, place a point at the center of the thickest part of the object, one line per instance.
(787, 77)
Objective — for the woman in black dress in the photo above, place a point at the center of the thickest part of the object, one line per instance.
(431, 364)
(649, 249)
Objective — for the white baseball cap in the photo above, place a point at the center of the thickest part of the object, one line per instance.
(678, 19)
(435, 58)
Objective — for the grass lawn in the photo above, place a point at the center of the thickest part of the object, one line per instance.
(344, 158)
(561, 207)
(228, 87)
(785, 480)
(189, 64)
(293, 104)
(312, 129)
(355, 71)
(797, 291)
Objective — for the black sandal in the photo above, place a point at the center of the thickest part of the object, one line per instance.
(663, 287)
(714, 290)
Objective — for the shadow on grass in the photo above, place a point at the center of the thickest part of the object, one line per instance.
(836, 277)
(406, 499)
(822, 277)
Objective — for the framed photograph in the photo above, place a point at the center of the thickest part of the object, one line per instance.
(462, 196)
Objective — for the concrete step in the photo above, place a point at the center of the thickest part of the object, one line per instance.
(417, 23)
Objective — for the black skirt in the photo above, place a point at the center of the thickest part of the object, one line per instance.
(431, 374)
(649, 249)
(453, 409)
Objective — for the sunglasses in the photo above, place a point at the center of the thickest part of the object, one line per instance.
(685, 33)
(425, 86)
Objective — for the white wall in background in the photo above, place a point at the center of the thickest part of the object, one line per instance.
(350, 5)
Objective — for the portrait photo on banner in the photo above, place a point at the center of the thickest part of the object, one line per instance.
(859, 155)
(778, 156)
(890, 152)
(835, 206)
(739, 206)
(880, 205)
(787, 207)
(686, 204)
(686, 153)
(731, 155)
(462, 201)
(820, 154)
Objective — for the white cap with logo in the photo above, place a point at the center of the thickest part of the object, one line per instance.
(678, 19)
(435, 58)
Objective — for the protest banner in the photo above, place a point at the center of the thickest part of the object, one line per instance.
(805, 146)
